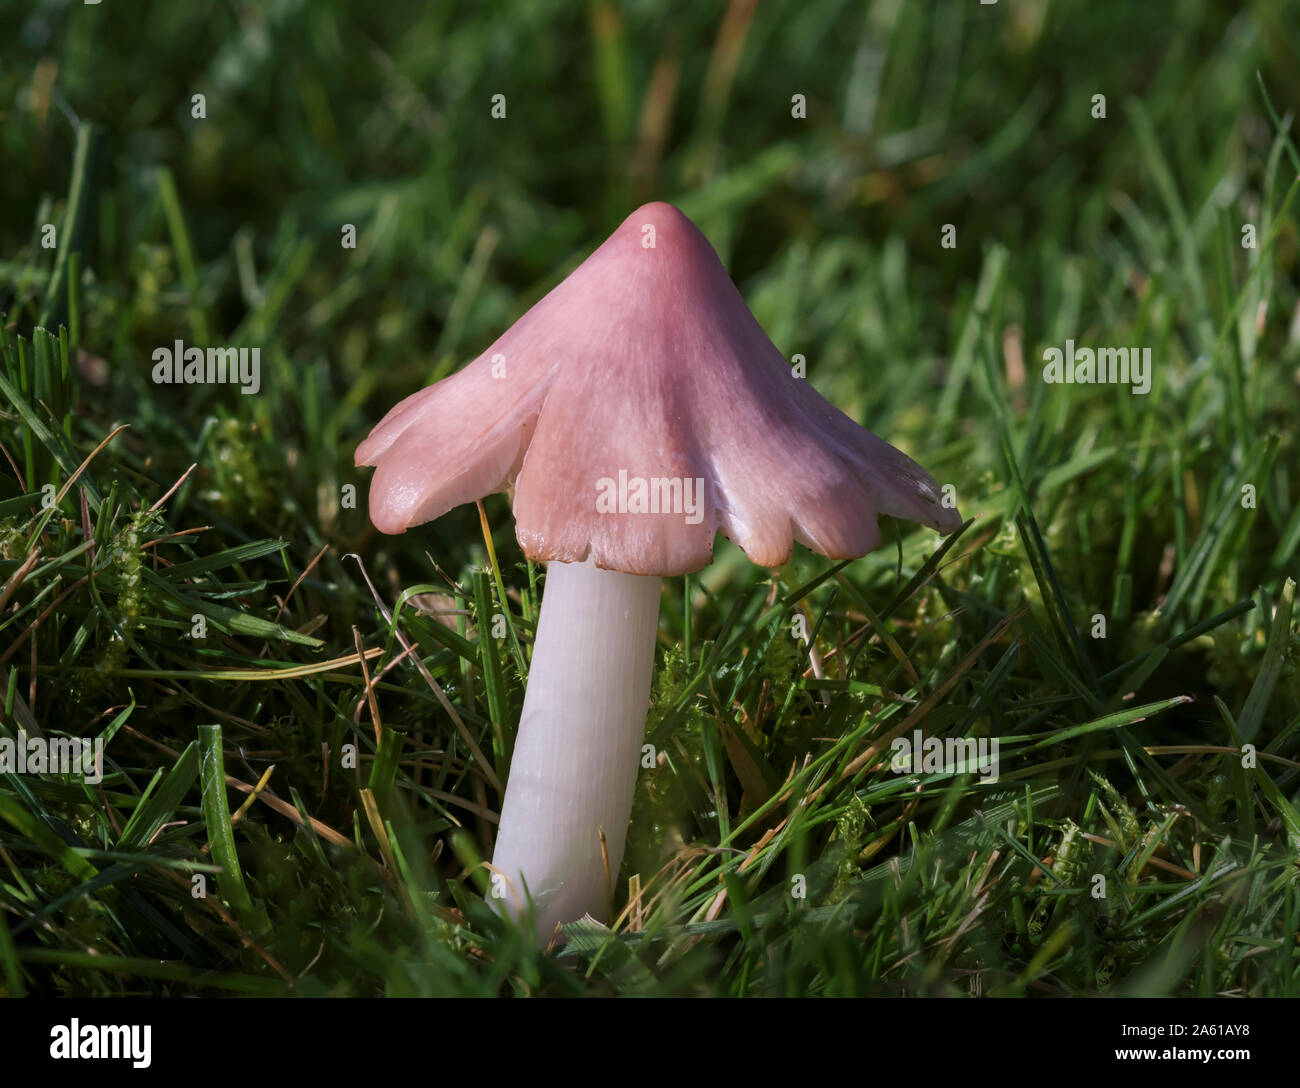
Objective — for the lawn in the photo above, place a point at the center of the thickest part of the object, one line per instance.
(306, 724)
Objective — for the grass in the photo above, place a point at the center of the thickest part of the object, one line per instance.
(307, 725)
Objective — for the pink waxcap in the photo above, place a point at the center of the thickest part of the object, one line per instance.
(637, 410)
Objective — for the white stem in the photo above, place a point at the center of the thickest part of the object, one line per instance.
(575, 761)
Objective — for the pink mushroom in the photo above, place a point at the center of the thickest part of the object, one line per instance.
(636, 411)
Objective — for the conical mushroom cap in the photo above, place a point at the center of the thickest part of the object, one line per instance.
(637, 410)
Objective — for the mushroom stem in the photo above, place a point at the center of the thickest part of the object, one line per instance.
(575, 761)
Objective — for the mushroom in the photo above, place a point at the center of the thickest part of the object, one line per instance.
(635, 411)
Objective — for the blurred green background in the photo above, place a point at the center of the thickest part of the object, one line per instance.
(328, 113)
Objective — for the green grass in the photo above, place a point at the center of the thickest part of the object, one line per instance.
(774, 850)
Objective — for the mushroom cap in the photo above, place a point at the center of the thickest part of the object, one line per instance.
(637, 410)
